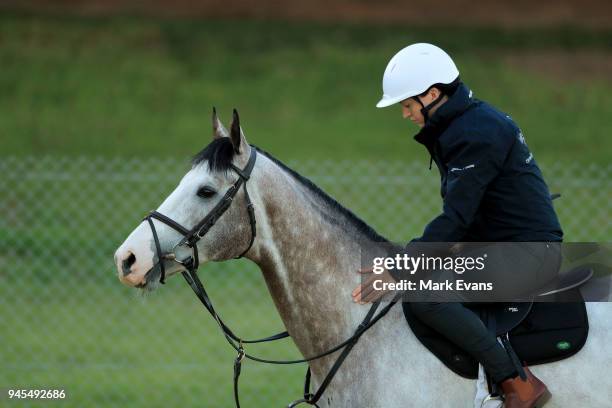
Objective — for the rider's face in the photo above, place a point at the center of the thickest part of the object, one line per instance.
(411, 109)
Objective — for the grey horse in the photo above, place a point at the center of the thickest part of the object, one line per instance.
(308, 249)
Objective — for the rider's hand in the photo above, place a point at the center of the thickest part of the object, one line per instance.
(365, 292)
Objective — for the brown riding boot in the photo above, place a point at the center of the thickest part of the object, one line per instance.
(525, 394)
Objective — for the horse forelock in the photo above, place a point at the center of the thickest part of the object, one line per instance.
(219, 155)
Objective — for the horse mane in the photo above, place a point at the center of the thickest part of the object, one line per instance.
(220, 153)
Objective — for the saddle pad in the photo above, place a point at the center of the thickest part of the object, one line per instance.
(550, 332)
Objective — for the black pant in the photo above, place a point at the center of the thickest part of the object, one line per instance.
(464, 328)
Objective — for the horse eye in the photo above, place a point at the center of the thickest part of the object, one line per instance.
(206, 192)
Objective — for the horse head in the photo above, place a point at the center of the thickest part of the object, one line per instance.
(188, 226)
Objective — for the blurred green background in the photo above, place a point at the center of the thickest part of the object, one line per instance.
(128, 87)
(98, 116)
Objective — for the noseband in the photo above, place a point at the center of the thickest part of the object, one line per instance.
(193, 235)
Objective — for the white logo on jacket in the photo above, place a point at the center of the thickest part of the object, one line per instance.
(469, 166)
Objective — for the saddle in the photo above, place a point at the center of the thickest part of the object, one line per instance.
(549, 329)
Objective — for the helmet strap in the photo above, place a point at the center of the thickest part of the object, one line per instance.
(425, 109)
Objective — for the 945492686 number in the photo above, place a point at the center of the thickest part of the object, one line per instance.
(29, 393)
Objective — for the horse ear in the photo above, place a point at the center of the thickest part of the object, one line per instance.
(219, 130)
(237, 136)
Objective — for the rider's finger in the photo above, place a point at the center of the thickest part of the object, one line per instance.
(372, 296)
(356, 291)
(366, 292)
(366, 270)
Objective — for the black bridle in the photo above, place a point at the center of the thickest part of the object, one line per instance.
(191, 263)
(193, 235)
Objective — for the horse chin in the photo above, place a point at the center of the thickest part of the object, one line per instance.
(151, 279)
(153, 276)
(147, 287)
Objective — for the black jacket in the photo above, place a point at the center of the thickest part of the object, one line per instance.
(492, 188)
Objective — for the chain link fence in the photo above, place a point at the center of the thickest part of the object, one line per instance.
(67, 323)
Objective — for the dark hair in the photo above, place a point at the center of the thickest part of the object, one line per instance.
(447, 89)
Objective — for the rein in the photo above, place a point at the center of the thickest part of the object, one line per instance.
(191, 264)
(237, 343)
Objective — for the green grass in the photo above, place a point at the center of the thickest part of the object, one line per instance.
(142, 87)
(122, 351)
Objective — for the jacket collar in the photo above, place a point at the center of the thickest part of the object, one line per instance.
(456, 104)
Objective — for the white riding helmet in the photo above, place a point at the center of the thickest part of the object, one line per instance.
(413, 70)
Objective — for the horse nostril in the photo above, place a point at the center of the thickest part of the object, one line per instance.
(127, 264)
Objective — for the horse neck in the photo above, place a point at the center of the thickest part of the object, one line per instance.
(309, 253)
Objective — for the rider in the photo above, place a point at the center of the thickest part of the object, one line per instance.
(492, 190)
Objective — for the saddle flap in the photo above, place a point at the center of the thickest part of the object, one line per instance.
(568, 280)
(541, 333)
